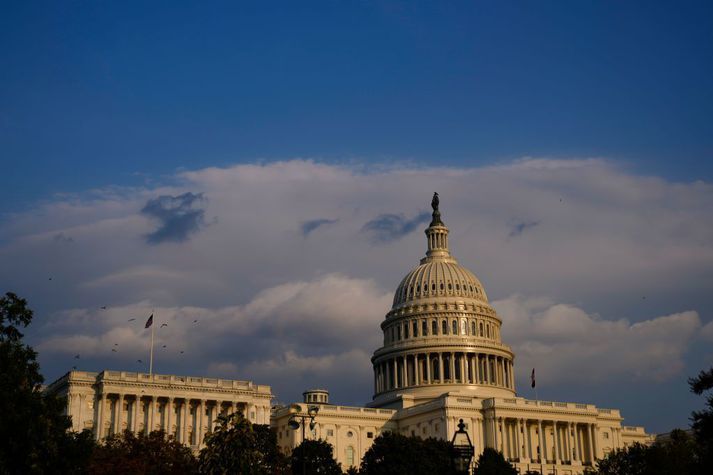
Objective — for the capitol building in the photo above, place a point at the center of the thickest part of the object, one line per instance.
(442, 360)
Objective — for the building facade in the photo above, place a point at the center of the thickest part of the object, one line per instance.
(443, 360)
(185, 407)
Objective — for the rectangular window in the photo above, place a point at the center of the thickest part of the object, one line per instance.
(424, 328)
(398, 332)
(369, 435)
(330, 432)
(406, 330)
(415, 329)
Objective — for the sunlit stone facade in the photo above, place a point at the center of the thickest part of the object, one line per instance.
(443, 360)
(183, 406)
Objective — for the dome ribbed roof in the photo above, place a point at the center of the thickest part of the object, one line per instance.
(439, 278)
(439, 275)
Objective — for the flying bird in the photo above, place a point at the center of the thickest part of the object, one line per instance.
(50, 278)
(139, 361)
(181, 351)
(132, 319)
(103, 307)
(113, 350)
(76, 357)
(163, 325)
(164, 346)
(195, 321)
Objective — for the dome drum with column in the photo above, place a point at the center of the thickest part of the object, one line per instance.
(441, 333)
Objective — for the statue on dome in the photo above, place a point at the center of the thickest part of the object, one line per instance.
(436, 221)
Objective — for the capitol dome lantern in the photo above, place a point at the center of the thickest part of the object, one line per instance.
(441, 334)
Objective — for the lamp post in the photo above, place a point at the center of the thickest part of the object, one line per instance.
(294, 424)
(463, 449)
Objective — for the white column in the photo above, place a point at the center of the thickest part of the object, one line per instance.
(199, 432)
(542, 439)
(595, 448)
(169, 417)
(99, 425)
(396, 373)
(119, 419)
(487, 369)
(477, 369)
(440, 368)
(184, 422)
(518, 441)
(405, 373)
(428, 368)
(557, 445)
(416, 370)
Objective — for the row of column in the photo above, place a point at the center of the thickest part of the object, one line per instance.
(192, 418)
(569, 442)
(443, 367)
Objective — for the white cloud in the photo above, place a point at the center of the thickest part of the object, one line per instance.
(267, 294)
(567, 345)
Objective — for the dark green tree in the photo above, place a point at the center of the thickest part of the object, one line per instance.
(33, 429)
(703, 420)
(492, 462)
(394, 454)
(314, 457)
(237, 446)
(675, 454)
(154, 454)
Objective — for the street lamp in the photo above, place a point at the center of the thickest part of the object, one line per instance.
(463, 449)
(294, 424)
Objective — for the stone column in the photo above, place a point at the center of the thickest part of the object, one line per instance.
(405, 373)
(440, 368)
(557, 444)
(428, 368)
(396, 373)
(496, 428)
(595, 448)
(541, 442)
(487, 369)
(169, 417)
(99, 425)
(184, 422)
(120, 415)
(416, 371)
(518, 442)
(477, 368)
(463, 374)
(199, 432)
(452, 367)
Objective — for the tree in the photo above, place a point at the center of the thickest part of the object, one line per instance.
(675, 454)
(237, 446)
(33, 429)
(492, 462)
(314, 457)
(703, 420)
(154, 454)
(394, 453)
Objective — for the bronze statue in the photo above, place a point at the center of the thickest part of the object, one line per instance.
(436, 221)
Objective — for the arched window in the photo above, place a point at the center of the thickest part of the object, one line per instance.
(463, 327)
(450, 286)
(433, 286)
(398, 331)
(424, 328)
(457, 287)
(434, 328)
(415, 329)
(444, 327)
(488, 330)
(350, 456)
(441, 285)
(473, 330)
(435, 375)
(481, 328)
(406, 330)
(454, 327)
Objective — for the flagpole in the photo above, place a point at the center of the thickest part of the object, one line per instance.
(151, 357)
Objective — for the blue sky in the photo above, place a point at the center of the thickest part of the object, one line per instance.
(98, 93)
(236, 161)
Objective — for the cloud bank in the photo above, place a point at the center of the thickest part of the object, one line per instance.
(594, 270)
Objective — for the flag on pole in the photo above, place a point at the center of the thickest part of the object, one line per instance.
(149, 322)
(532, 377)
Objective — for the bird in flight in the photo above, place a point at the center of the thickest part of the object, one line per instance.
(50, 278)
(132, 319)
(164, 346)
(103, 307)
(139, 361)
(181, 351)
(76, 357)
(163, 325)
(195, 321)
(113, 350)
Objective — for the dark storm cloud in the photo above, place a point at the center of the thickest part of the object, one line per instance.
(389, 227)
(177, 217)
(519, 228)
(309, 226)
